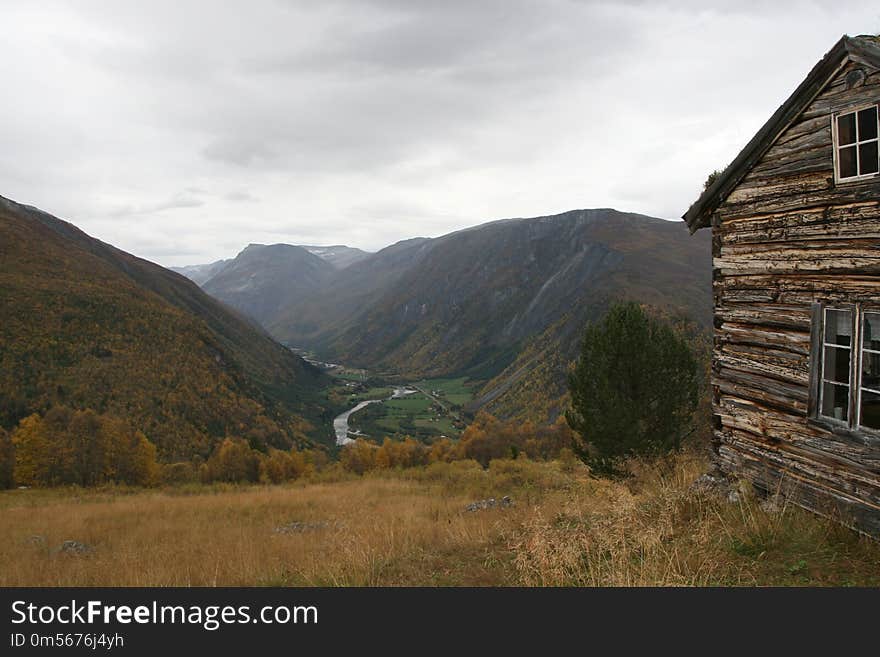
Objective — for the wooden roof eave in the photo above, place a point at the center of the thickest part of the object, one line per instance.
(857, 49)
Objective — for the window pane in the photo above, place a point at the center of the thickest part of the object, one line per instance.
(868, 124)
(870, 410)
(835, 401)
(868, 158)
(871, 370)
(836, 365)
(846, 158)
(846, 129)
(838, 327)
(871, 331)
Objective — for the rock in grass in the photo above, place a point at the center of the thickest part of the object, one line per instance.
(75, 548)
(490, 503)
(298, 527)
(716, 483)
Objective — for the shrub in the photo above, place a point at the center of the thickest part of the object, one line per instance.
(182, 472)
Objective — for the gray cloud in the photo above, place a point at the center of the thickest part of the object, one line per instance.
(185, 199)
(240, 197)
(157, 126)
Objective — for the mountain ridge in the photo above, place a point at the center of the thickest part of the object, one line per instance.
(89, 325)
(486, 300)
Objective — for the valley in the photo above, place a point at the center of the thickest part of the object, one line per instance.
(501, 304)
(431, 330)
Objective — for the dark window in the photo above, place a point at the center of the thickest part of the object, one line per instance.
(868, 124)
(868, 158)
(849, 388)
(846, 129)
(856, 147)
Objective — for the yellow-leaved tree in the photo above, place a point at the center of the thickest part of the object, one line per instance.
(83, 448)
(233, 461)
(7, 459)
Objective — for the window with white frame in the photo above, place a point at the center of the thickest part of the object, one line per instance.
(849, 386)
(857, 143)
(869, 379)
(836, 364)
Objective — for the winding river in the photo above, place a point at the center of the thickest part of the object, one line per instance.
(340, 424)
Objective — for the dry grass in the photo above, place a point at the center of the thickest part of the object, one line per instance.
(410, 528)
(657, 531)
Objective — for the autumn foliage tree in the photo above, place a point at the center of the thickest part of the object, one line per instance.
(485, 440)
(488, 438)
(358, 456)
(233, 461)
(7, 459)
(83, 448)
(278, 466)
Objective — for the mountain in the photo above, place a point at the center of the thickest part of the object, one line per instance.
(87, 325)
(315, 318)
(262, 278)
(200, 274)
(469, 300)
(338, 255)
(503, 303)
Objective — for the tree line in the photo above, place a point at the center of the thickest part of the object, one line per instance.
(633, 392)
(84, 448)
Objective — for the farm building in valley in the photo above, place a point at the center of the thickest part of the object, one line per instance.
(796, 280)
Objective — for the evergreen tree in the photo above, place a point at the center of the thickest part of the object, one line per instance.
(633, 390)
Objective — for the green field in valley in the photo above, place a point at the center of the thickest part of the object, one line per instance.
(453, 391)
(418, 415)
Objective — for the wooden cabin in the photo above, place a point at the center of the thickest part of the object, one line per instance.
(795, 223)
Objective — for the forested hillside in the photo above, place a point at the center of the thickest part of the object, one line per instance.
(88, 326)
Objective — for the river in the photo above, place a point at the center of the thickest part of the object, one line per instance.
(340, 424)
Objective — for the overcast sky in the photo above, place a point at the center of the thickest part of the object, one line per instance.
(183, 130)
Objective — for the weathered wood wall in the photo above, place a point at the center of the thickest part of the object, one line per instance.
(788, 236)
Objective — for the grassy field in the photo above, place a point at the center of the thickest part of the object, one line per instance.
(416, 415)
(452, 390)
(380, 392)
(422, 410)
(349, 375)
(411, 528)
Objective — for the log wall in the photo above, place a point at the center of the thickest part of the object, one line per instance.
(786, 237)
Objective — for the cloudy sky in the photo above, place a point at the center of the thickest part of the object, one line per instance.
(182, 130)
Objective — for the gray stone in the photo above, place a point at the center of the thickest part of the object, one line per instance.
(490, 503)
(716, 484)
(298, 527)
(75, 548)
(773, 504)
